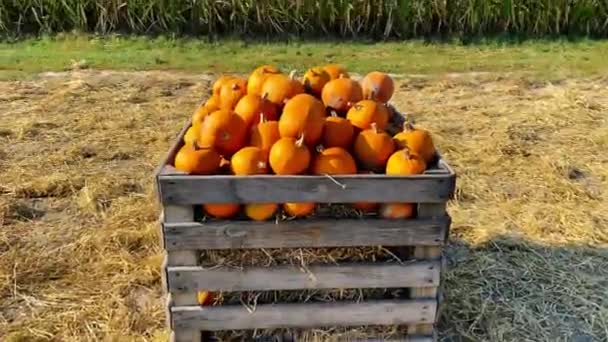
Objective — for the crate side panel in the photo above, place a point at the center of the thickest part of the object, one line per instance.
(431, 188)
(307, 315)
(305, 233)
(416, 274)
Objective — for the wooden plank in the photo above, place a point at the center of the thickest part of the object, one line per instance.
(172, 213)
(305, 233)
(427, 210)
(415, 274)
(183, 189)
(307, 315)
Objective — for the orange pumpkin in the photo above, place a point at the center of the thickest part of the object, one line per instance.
(366, 112)
(397, 210)
(205, 297)
(260, 211)
(223, 211)
(197, 161)
(249, 160)
(314, 80)
(251, 106)
(333, 161)
(279, 88)
(337, 132)
(289, 156)
(366, 207)
(303, 114)
(257, 78)
(416, 140)
(223, 130)
(264, 134)
(378, 86)
(231, 92)
(217, 85)
(212, 104)
(335, 71)
(404, 162)
(341, 94)
(190, 136)
(373, 147)
(199, 115)
(298, 209)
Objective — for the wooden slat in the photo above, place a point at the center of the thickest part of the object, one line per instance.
(416, 274)
(428, 210)
(237, 317)
(305, 233)
(172, 213)
(182, 189)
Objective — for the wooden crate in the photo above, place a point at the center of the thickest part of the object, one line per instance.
(183, 239)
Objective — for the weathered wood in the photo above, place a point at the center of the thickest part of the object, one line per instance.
(170, 156)
(427, 210)
(172, 213)
(385, 312)
(415, 274)
(181, 189)
(305, 233)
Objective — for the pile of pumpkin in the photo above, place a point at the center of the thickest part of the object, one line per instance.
(325, 124)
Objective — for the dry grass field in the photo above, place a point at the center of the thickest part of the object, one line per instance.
(79, 252)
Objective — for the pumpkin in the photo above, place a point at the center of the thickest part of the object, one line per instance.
(249, 160)
(231, 92)
(205, 297)
(260, 211)
(404, 162)
(264, 134)
(397, 210)
(200, 113)
(416, 140)
(251, 106)
(333, 161)
(190, 136)
(223, 210)
(378, 86)
(225, 166)
(217, 85)
(289, 156)
(299, 209)
(366, 112)
(337, 132)
(366, 207)
(212, 104)
(303, 115)
(336, 71)
(314, 80)
(341, 94)
(195, 160)
(223, 130)
(373, 147)
(279, 88)
(257, 78)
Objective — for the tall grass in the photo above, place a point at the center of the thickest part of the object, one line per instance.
(377, 18)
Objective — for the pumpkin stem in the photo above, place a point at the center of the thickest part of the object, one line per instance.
(262, 118)
(265, 96)
(374, 127)
(320, 148)
(300, 141)
(292, 74)
(341, 75)
(235, 86)
(261, 165)
(408, 124)
(333, 113)
(406, 152)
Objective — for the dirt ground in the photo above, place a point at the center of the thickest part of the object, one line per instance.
(79, 252)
